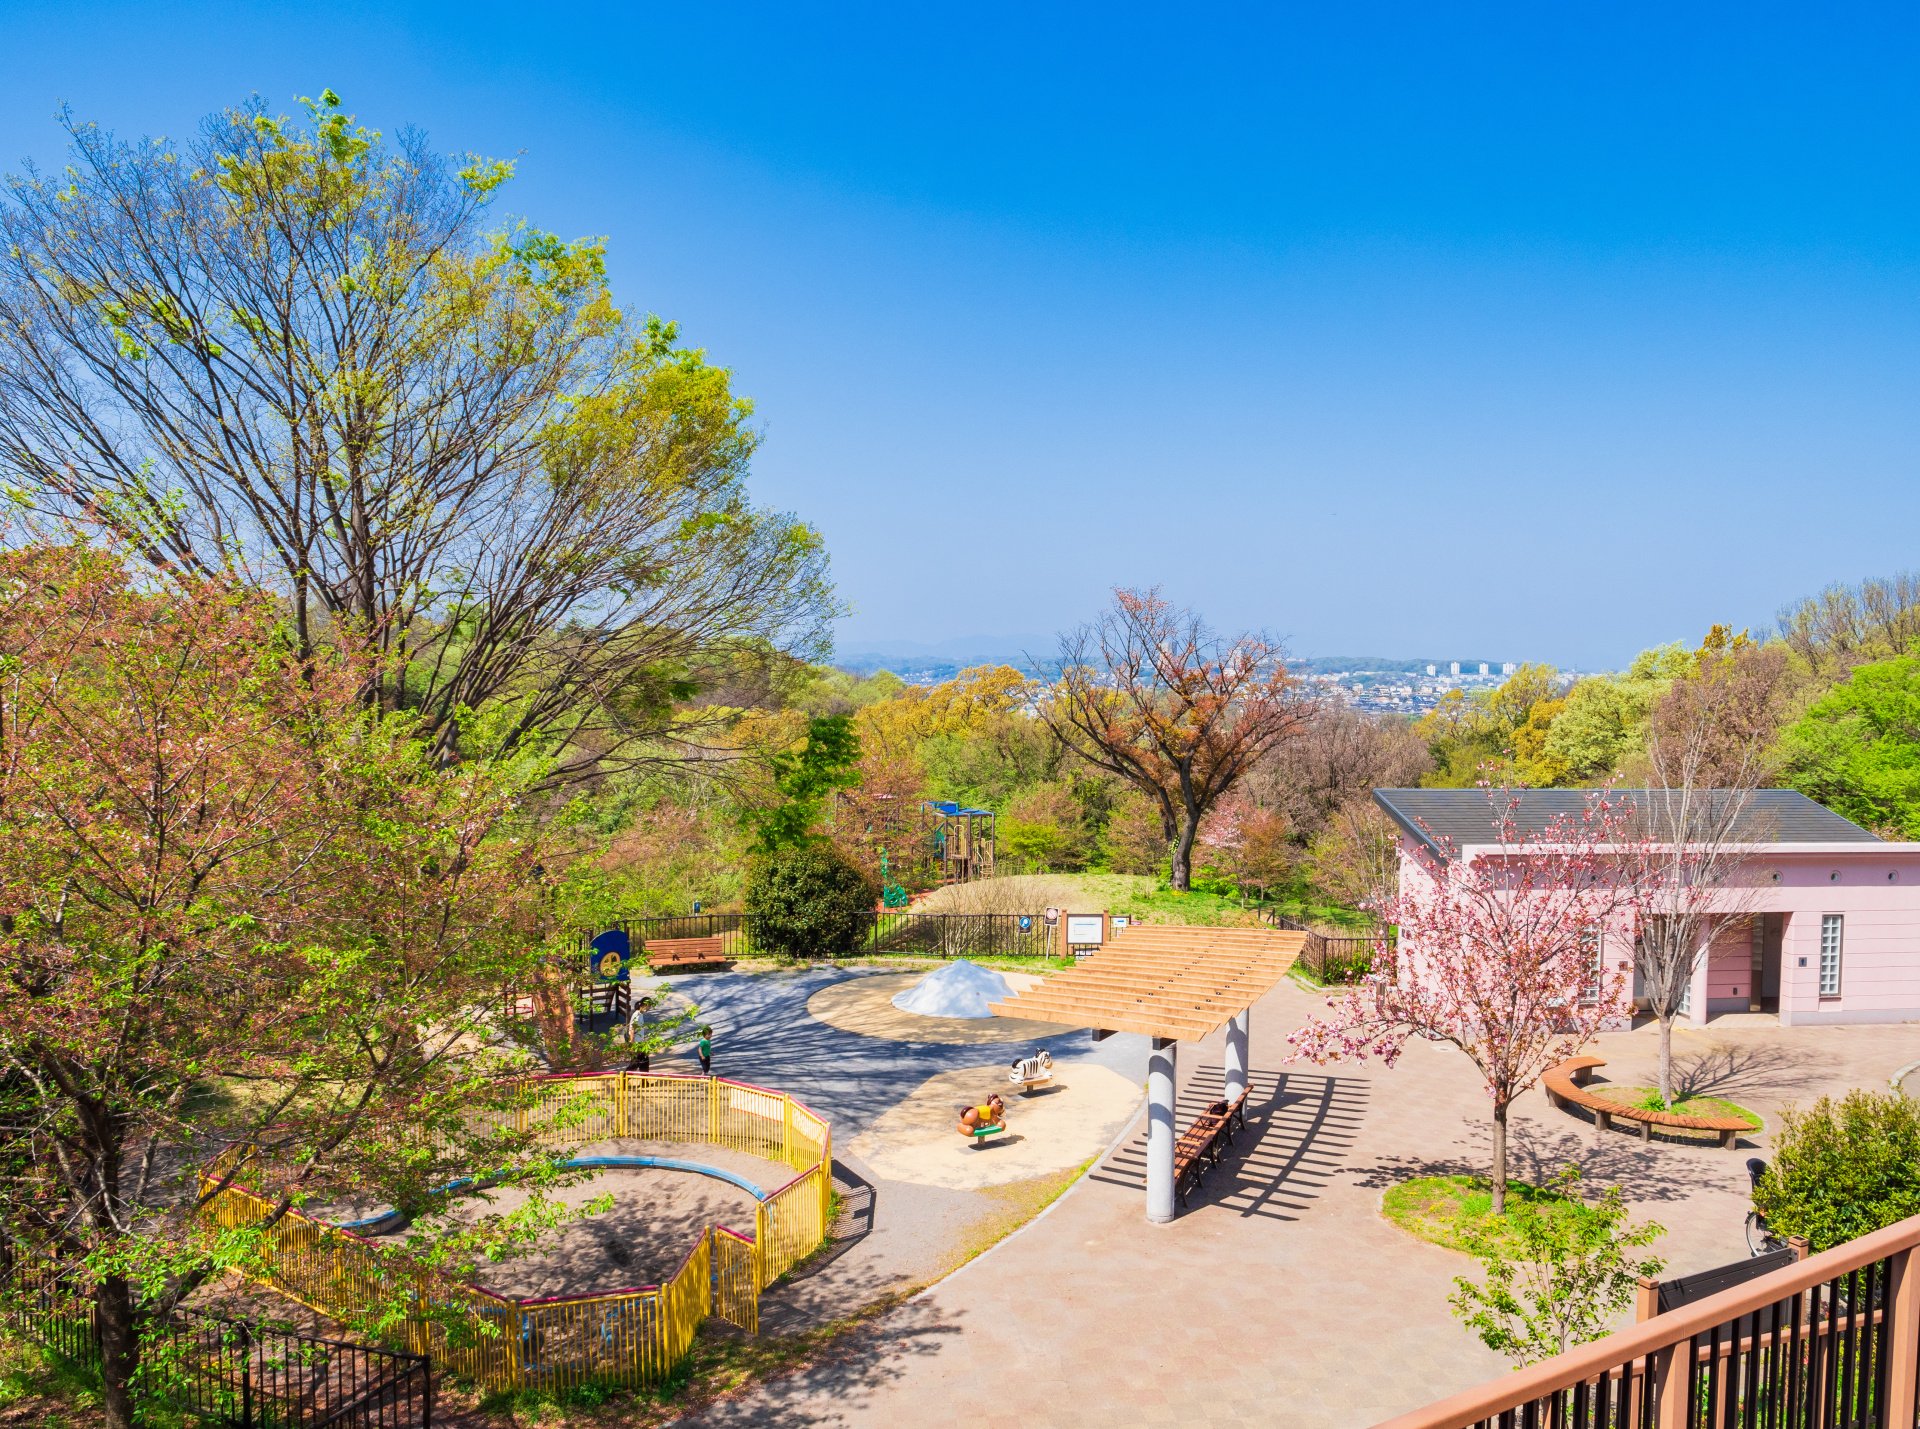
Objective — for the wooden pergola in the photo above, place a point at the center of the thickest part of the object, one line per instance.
(1172, 985)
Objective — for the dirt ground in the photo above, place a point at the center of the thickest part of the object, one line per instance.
(655, 1219)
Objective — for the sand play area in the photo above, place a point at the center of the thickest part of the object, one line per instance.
(655, 1218)
(863, 1004)
(1053, 1130)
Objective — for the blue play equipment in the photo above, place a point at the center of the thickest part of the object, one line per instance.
(608, 955)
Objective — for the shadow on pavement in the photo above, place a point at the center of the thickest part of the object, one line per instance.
(864, 1363)
(1300, 1129)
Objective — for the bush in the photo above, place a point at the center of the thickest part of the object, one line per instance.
(808, 902)
(1842, 1169)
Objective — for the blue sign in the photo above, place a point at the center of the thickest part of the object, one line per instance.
(1026, 922)
(608, 954)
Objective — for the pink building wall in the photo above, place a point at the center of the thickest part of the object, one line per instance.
(1873, 888)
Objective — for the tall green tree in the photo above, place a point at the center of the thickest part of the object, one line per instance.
(804, 779)
(1857, 748)
(301, 353)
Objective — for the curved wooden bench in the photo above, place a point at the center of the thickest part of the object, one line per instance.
(1565, 1083)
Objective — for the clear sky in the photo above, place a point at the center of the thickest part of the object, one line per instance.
(1534, 331)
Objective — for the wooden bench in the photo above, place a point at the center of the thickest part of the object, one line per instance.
(1566, 1082)
(1202, 1146)
(664, 953)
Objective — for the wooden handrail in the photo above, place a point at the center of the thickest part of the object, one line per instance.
(1650, 1338)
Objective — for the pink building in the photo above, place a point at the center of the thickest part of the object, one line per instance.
(1834, 935)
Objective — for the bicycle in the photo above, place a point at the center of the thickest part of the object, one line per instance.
(1760, 1238)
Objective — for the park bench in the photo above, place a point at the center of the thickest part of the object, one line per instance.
(665, 953)
(1565, 1083)
(1202, 1146)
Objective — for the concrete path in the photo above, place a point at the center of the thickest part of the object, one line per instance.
(1282, 1297)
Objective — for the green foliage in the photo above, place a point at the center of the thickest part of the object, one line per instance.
(1044, 830)
(1857, 748)
(1842, 1169)
(1554, 1280)
(805, 778)
(808, 901)
(1602, 721)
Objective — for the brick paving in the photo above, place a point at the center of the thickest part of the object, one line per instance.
(1282, 1297)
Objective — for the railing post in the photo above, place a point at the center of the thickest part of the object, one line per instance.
(1903, 1338)
(1646, 1299)
(246, 1376)
(1673, 1383)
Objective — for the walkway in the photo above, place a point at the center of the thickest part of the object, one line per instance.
(1282, 1297)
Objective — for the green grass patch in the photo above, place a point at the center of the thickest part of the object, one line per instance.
(1648, 1099)
(1450, 1211)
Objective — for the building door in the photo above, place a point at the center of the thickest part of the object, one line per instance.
(1768, 930)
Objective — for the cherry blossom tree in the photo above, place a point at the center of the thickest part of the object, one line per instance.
(237, 909)
(1498, 953)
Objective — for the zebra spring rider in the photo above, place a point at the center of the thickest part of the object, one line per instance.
(1027, 1073)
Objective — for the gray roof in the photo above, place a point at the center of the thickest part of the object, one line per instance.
(1446, 820)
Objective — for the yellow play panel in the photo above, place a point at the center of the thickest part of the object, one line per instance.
(1053, 1130)
(864, 1005)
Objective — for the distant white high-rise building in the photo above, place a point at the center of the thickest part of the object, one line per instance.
(1433, 669)
(1507, 667)
(1483, 667)
(1453, 668)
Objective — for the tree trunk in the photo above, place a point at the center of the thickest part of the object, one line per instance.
(1499, 1187)
(1181, 873)
(119, 1349)
(1666, 1059)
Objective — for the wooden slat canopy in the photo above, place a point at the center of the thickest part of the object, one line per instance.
(1178, 983)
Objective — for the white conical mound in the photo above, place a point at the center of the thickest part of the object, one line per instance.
(960, 989)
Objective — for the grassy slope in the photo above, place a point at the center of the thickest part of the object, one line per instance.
(1135, 896)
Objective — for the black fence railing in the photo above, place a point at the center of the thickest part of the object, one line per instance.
(236, 1374)
(935, 935)
(1330, 957)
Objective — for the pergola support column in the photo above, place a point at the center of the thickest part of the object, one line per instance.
(1160, 1130)
(1239, 1027)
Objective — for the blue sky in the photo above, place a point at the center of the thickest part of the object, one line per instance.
(1531, 331)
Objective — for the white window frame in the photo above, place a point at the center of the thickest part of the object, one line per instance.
(1833, 947)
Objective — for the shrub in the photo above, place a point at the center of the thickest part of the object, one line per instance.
(1842, 1169)
(808, 902)
(1554, 1280)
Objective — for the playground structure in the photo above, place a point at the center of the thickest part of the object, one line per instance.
(933, 842)
(631, 1336)
(961, 842)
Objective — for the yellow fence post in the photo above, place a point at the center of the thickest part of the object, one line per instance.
(786, 1131)
(619, 1104)
(713, 1109)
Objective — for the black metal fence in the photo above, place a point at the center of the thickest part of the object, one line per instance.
(933, 935)
(1330, 957)
(235, 1374)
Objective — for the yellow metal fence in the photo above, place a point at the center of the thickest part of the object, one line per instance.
(630, 1337)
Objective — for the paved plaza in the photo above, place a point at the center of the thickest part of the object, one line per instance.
(1281, 1297)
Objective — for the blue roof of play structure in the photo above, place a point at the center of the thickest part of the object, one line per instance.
(947, 806)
